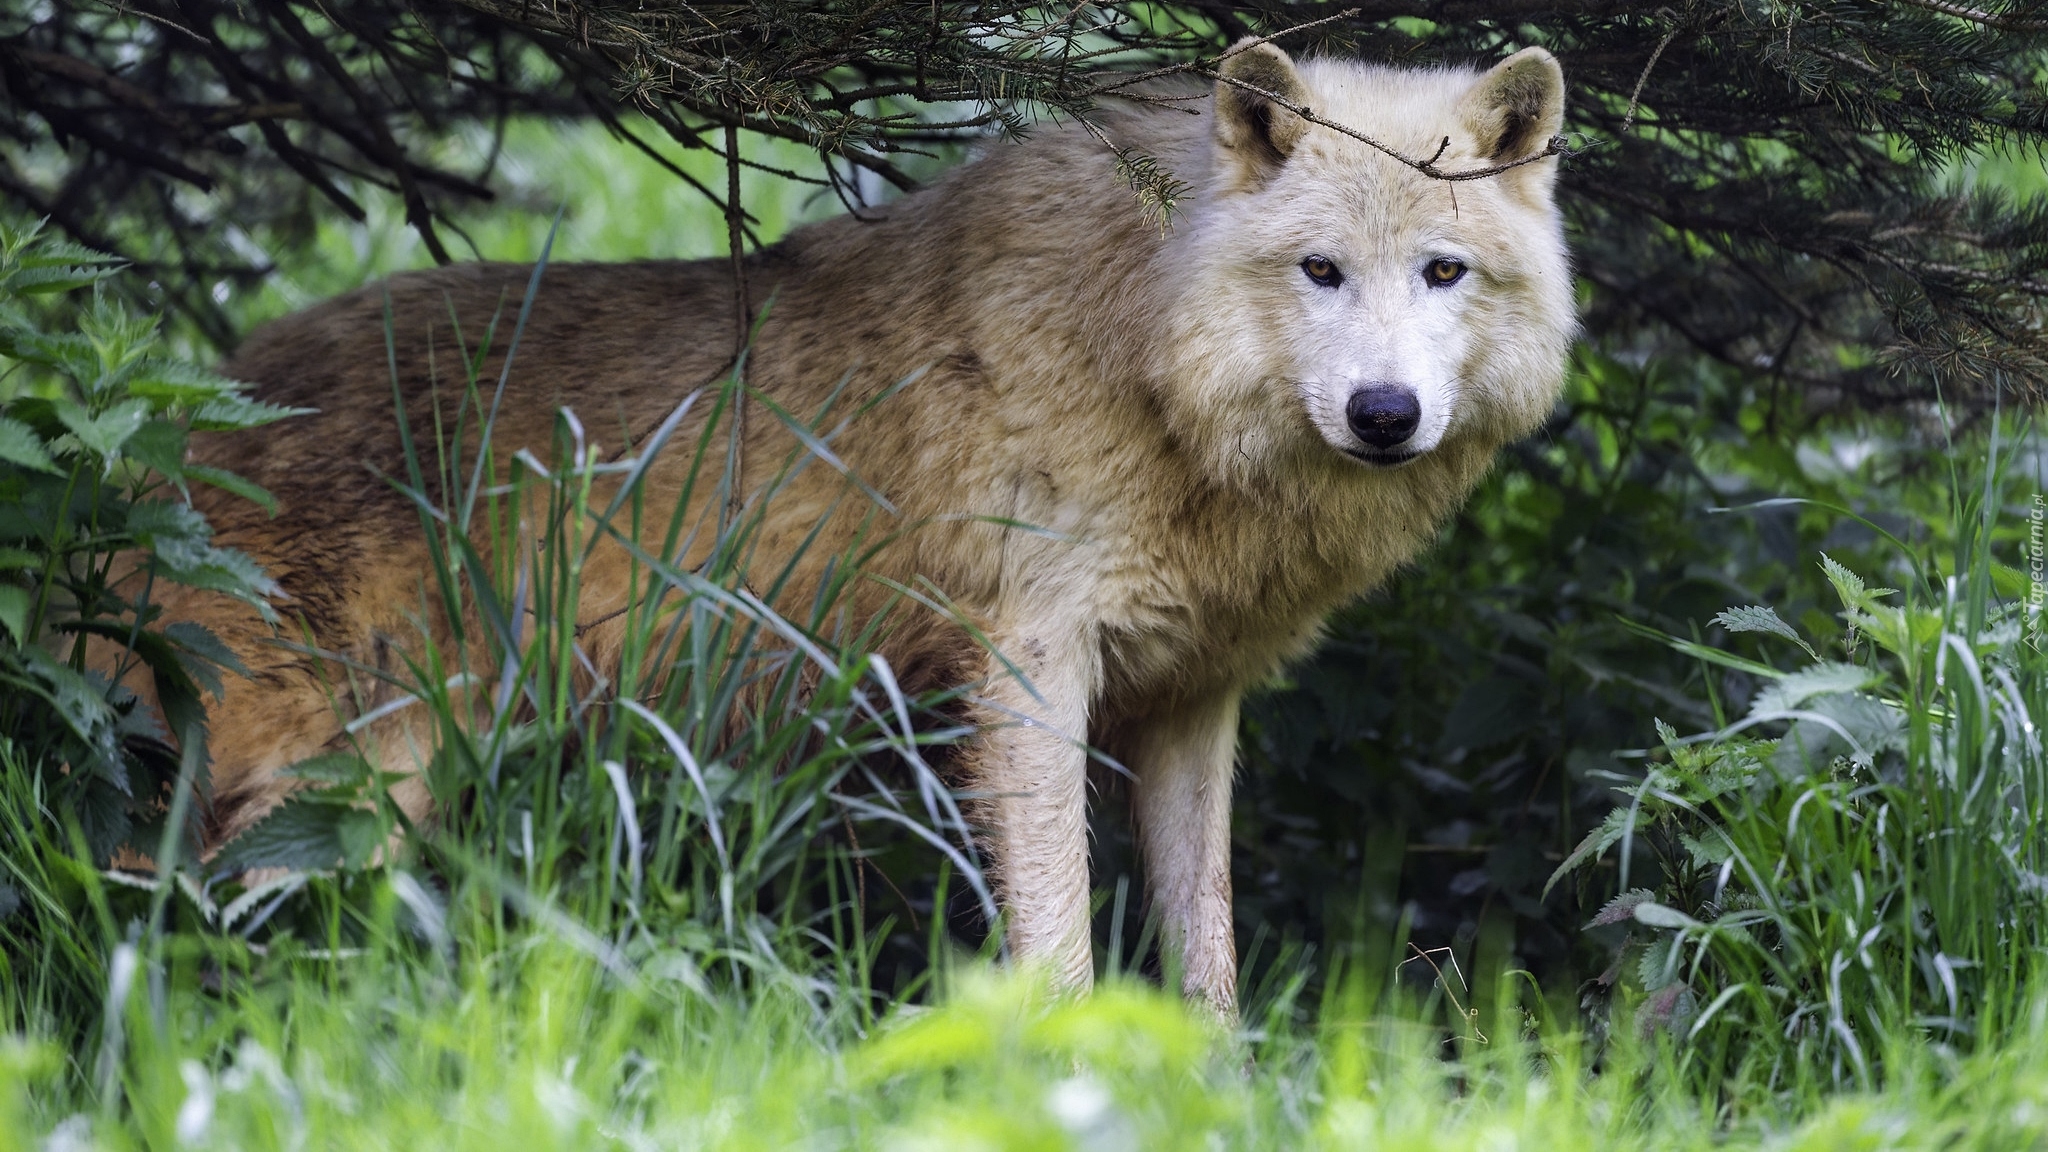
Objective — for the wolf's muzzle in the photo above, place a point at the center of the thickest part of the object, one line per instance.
(1383, 416)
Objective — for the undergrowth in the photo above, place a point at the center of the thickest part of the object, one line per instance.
(1861, 851)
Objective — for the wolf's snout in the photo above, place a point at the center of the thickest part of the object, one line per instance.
(1383, 415)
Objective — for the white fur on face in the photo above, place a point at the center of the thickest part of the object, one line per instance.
(1482, 356)
(1382, 324)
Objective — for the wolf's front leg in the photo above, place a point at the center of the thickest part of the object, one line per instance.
(1031, 765)
(1182, 759)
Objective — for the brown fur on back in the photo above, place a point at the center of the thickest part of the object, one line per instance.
(621, 345)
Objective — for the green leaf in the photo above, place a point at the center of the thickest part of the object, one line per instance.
(1850, 587)
(1621, 908)
(1872, 727)
(103, 435)
(1670, 1008)
(1599, 840)
(31, 262)
(15, 603)
(1661, 916)
(67, 352)
(38, 281)
(1700, 651)
(345, 769)
(20, 446)
(1658, 967)
(233, 413)
(361, 833)
(1711, 852)
(120, 340)
(40, 414)
(177, 383)
(299, 833)
(180, 543)
(159, 446)
(177, 676)
(229, 482)
(1760, 618)
(78, 702)
(1818, 680)
(200, 642)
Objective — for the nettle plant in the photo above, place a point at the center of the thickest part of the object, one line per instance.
(1883, 858)
(95, 514)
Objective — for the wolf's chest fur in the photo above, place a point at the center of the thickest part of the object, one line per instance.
(1188, 586)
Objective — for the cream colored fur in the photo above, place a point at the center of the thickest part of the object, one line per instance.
(1169, 405)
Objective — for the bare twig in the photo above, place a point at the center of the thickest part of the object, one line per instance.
(743, 317)
(1979, 16)
(1636, 95)
(1555, 146)
(1470, 1016)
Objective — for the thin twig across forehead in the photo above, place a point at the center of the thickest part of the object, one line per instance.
(1555, 146)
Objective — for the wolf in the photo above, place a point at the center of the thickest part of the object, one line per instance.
(1221, 430)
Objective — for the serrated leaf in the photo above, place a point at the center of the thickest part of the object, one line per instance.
(298, 833)
(332, 768)
(199, 641)
(38, 281)
(1656, 915)
(1670, 1008)
(79, 703)
(1666, 734)
(173, 674)
(1871, 726)
(1850, 587)
(182, 551)
(159, 446)
(234, 413)
(20, 446)
(104, 434)
(1621, 908)
(1599, 840)
(200, 565)
(1711, 852)
(229, 482)
(1658, 966)
(1820, 679)
(178, 383)
(361, 834)
(15, 603)
(242, 905)
(1761, 618)
(67, 352)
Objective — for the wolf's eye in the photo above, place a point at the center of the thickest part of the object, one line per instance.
(1444, 273)
(1322, 271)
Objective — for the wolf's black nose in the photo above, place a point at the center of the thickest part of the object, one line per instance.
(1383, 415)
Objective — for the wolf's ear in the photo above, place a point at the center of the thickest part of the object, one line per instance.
(1250, 127)
(1517, 107)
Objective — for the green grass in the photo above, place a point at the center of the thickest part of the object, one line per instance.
(531, 1044)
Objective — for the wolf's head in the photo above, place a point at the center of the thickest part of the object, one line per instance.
(1349, 307)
